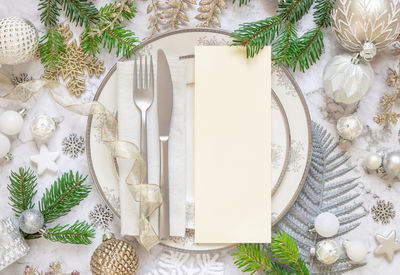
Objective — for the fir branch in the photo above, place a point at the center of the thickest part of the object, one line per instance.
(241, 2)
(50, 12)
(78, 233)
(294, 10)
(65, 193)
(82, 12)
(22, 188)
(285, 45)
(253, 258)
(51, 48)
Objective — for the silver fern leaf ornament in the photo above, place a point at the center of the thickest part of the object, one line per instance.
(327, 189)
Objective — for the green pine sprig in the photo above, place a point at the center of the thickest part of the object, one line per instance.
(78, 233)
(280, 257)
(242, 2)
(81, 12)
(65, 193)
(297, 52)
(51, 49)
(22, 189)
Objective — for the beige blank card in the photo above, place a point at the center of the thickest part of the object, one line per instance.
(232, 147)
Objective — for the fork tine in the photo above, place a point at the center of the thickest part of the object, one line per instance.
(135, 87)
(151, 72)
(141, 74)
(146, 74)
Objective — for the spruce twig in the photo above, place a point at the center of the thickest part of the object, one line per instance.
(65, 193)
(22, 188)
(78, 233)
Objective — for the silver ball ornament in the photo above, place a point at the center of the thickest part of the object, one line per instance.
(43, 127)
(373, 161)
(327, 251)
(349, 127)
(31, 221)
(391, 163)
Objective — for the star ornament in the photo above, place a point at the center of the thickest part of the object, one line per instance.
(388, 245)
(45, 160)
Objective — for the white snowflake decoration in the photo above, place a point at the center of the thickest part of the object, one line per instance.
(73, 146)
(101, 217)
(177, 263)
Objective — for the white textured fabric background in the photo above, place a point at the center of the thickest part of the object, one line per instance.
(322, 110)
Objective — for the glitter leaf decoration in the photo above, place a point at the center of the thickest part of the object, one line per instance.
(209, 9)
(75, 65)
(175, 12)
(156, 18)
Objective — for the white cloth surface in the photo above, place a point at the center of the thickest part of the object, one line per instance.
(129, 129)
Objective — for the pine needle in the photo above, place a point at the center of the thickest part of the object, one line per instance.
(78, 233)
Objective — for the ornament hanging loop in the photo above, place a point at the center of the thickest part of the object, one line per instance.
(368, 51)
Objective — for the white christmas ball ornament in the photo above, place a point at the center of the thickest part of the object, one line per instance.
(347, 79)
(327, 251)
(373, 161)
(18, 40)
(326, 224)
(391, 163)
(11, 123)
(5, 145)
(43, 127)
(31, 221)
(356, 251)
(349, 127)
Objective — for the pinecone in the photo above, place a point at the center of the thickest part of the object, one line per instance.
(115, 257)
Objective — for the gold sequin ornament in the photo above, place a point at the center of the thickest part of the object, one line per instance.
(114, 257)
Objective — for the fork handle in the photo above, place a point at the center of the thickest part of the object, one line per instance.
(164, 185)
(143, 140)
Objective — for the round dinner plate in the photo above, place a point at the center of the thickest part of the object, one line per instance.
(291, 136)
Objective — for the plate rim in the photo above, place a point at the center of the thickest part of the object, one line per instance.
(205, 30)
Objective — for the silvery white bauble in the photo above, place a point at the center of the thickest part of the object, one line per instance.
(31, 221)
(356, 251)
(364, 26)
(391, 163)
(349, 127)
(327, 251)
(373, 161)
(43, 127)
(347, 79)
(18, 40)
(326, 224)
(11, 123)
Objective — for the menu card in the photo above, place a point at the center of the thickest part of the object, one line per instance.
(232, 145)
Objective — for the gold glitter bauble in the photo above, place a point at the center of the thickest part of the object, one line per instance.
(114, 257)
(364, 26)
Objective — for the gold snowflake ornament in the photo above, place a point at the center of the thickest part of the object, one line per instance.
(383, 212)
(75, 66)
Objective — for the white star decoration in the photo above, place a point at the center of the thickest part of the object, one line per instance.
(388, 245)
(45, 160)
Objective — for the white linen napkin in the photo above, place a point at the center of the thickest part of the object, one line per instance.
(129, 129)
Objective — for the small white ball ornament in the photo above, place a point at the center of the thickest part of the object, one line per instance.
(11, 123)
(326, 224)
(326, 251)
(373, 161)
(391, 163)
(43, 127)
(5, 145)
(356, 251)
(31, 221)
(18, 40)
(349, 127)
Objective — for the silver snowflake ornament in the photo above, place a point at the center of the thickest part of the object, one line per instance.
(383, 212)
(101, 217)
(73, 146)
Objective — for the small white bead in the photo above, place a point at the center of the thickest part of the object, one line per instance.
(11, 123)
(326, 224)
(4, 145)
(373, 161)
(356, 251)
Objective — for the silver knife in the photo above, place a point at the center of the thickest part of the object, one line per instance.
(164, 102)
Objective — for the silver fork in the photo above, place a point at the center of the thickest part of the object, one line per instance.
(143, 93)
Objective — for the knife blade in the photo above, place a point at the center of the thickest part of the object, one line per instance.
(165, 104)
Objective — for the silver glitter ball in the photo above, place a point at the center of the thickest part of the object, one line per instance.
(31, 221)
(349, 127)
(327, 251)
(43, 127)
(391, 163)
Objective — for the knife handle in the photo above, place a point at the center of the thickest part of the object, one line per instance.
(164, 185)
(143, 141)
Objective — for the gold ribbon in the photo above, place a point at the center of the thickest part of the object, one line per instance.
(148, 195)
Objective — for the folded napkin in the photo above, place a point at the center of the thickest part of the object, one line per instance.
(129, 129)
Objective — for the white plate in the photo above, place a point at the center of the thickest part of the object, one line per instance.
(181, 43)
